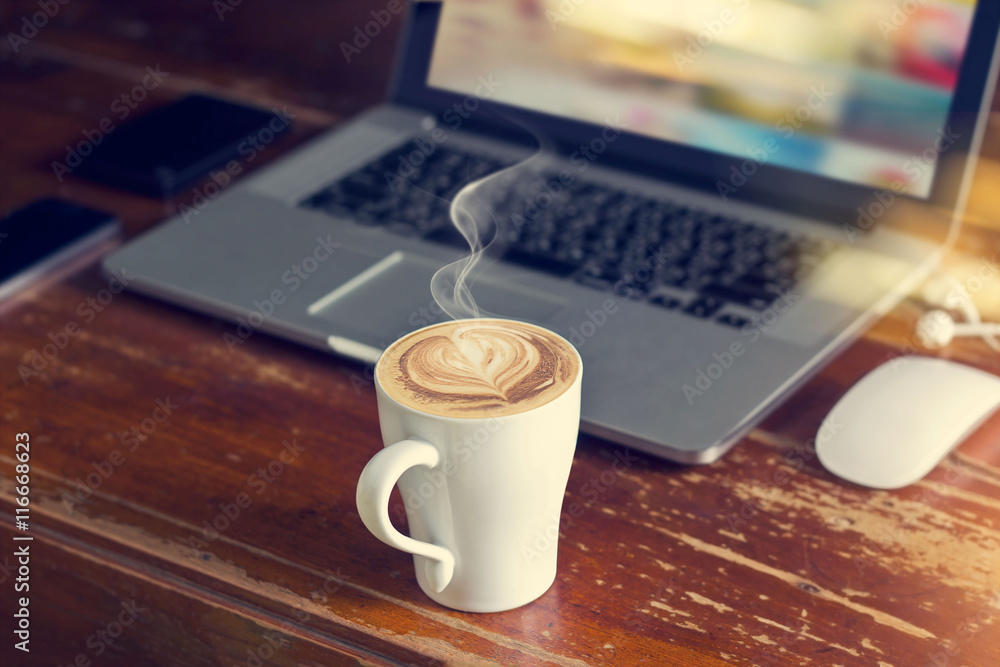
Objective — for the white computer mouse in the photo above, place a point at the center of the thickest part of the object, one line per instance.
(892, 427)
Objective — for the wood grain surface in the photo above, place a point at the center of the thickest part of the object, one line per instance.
(762, 558)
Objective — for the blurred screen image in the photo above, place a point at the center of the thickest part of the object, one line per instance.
(853, 90)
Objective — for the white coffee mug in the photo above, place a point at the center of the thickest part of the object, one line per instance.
(483, 497)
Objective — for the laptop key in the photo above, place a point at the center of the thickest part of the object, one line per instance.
(763, 285)
(666, 301)
(758, 300)
(704, 307)
(361, 190)
(545, 264)
(675, 276)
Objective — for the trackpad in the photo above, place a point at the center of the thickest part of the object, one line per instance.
(394, 296)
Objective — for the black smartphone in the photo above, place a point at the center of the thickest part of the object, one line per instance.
(46, 235)
(175, 146)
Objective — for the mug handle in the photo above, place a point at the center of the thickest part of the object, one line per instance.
(374, 487)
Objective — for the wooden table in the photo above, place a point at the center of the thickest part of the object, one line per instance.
(762, 558)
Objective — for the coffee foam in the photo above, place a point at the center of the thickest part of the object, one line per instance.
(478, 368)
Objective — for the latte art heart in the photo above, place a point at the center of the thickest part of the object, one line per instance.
(479, 367)
(480, 364)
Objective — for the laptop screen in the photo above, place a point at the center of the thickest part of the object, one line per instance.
(854, 90)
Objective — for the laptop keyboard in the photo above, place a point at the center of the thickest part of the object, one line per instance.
(668, 254)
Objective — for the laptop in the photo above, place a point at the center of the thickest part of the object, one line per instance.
(708, 198)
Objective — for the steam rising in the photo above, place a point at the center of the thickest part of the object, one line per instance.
(450, 285)
(472, 215)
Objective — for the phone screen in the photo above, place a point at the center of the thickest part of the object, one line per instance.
(46, 230)
(174, 146)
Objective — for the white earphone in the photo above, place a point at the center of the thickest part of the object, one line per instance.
(938, 328)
